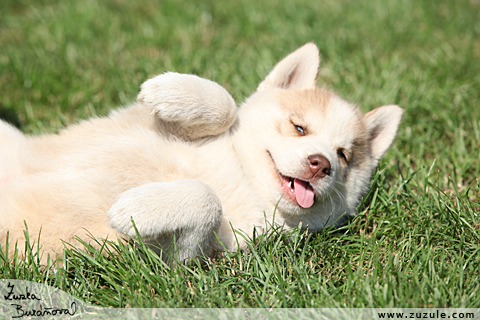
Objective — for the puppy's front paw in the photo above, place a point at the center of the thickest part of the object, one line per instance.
(200, 106)
(165, 207)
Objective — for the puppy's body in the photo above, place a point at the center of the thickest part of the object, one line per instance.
(71, 180)
(184, 165)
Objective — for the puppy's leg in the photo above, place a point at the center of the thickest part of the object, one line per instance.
(190, 107)
(181, 216)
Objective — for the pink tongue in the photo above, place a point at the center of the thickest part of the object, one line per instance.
(304, 193)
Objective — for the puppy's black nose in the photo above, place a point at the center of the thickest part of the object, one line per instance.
(319, 165)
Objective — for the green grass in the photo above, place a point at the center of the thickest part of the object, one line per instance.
(416, 240)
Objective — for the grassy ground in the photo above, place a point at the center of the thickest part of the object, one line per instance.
(416, 240)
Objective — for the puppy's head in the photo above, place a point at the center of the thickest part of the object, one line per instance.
(307, 149)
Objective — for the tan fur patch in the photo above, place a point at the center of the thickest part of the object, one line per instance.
(299, 102)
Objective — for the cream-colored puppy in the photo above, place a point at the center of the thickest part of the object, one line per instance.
(185, 165)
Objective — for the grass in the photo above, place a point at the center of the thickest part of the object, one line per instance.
(416, 239)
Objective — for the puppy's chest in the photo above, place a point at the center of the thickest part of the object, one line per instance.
(214, 163)
(221, 170)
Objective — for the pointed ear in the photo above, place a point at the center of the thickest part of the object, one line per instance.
(382, 124)
(298, 70)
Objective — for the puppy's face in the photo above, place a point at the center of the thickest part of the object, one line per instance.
(307, 145)
(310, 153)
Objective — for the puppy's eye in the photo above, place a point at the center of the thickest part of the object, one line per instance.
(341, 155)
(300, 130)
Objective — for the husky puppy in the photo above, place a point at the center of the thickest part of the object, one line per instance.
(186, 166)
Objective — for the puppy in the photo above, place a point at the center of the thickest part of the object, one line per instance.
(188, 167)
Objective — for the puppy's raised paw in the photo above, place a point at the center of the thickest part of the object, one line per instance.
(197, 107)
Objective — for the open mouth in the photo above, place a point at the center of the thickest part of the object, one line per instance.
(298, 190)
(295, 189)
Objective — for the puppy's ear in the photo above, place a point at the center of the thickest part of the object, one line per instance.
(298, 70)
(382, 124)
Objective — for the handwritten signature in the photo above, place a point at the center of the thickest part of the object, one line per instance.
(22, 311)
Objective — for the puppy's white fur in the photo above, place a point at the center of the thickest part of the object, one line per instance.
(186, 167)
